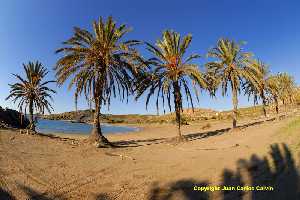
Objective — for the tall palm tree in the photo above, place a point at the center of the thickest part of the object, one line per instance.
(100, 64)
(258, 90)
(231, 67)
(32, 92)
(170, 73)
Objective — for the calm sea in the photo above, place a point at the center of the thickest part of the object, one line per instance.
(57, 126)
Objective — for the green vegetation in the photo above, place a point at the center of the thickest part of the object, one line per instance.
(32, 92)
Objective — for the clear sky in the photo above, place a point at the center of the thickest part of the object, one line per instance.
(32, 30)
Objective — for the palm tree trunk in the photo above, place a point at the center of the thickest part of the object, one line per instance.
(285, 106)
(96, 135)
(264, 105)
(235, 105)
(177, 102)
(264, 110)
(31, 125)
(277, 108)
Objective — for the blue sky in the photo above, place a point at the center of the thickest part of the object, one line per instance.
(33, 29)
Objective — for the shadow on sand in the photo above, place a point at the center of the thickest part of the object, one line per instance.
(5, 195)
(153, 141)
(277, 169)
(189, 137)
(279, 172)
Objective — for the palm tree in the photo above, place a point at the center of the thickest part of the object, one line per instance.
(297, 95)
(258, 90)
(273, 91)
(287, 89)
(281, 87)
(231, 67)
(99, 65)
(32, 92)
(170, 73)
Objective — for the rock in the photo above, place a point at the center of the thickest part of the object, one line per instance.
(12, 119)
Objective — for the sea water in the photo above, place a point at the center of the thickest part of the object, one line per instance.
(59, 126)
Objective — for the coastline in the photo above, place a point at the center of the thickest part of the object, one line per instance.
(46, 129)
(85, 135)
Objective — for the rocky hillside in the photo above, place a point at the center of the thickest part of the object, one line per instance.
(12, 119)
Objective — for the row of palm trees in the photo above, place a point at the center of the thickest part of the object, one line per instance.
(101, 65)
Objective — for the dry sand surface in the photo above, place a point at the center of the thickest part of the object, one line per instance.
(148, 166)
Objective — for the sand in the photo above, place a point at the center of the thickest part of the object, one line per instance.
(148, 164)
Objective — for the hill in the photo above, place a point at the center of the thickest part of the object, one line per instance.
(188, 116)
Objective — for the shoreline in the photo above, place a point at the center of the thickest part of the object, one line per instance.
(76, 135)
(134, 127)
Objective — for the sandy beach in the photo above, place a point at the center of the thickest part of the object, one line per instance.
(146, 165)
